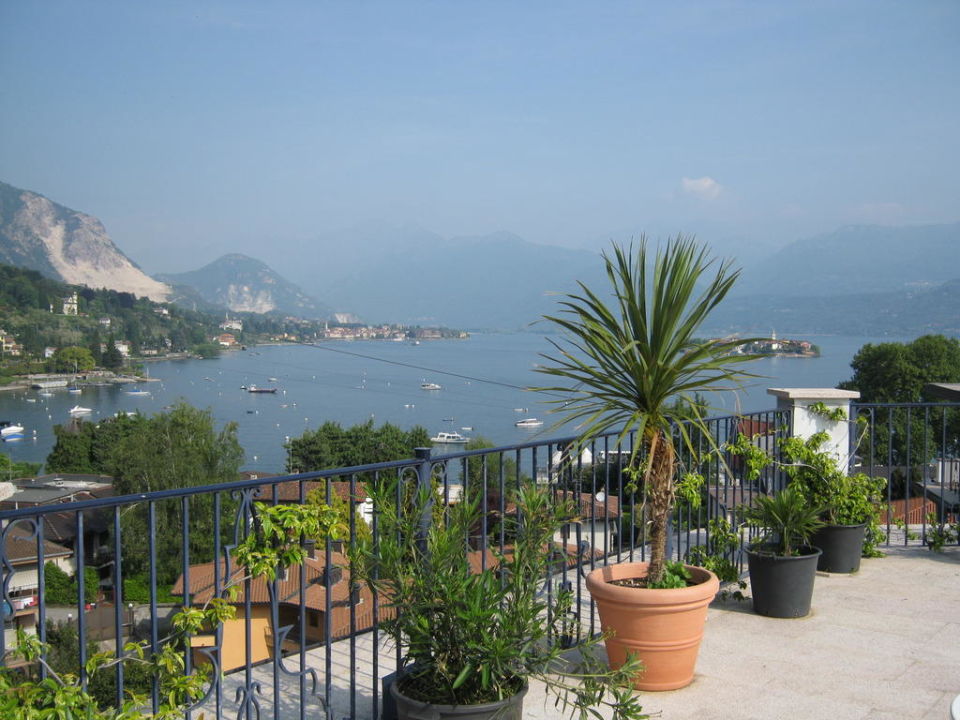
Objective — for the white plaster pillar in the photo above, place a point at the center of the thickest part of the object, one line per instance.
(805, 423)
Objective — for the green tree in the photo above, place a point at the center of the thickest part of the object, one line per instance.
(897, 373)
(111, 359)
(623, 365)
(331, 446)
(72, 359)
(10, 469)
(181, 448)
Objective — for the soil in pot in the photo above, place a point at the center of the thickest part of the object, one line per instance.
(782, 586)
(510, 708)
(662, 626)
(842, 547)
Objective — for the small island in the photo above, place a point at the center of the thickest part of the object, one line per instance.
(780, 347)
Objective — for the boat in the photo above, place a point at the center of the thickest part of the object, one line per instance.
(9, 430)
(255, 389)
(430, 386)
(138, 392)
(74, 389)
(450, 438)
(529, 422)
(77, 410)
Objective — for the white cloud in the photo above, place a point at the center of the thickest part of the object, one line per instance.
(705, 188)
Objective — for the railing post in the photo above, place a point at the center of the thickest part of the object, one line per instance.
(804, 422)
(424, 486)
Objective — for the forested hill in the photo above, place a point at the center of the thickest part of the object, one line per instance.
(32, 314)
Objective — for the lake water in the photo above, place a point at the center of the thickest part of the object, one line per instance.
(482, 380)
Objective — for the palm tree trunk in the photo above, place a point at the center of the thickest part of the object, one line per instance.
(659, 487)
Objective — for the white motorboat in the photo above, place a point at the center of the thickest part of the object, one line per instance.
(138, 392)
(430, 386)
(77, 410)
(450, 438)
(9, 430)
(529, 422)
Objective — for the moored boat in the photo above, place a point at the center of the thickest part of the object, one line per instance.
(529, 422)
(255, 389)
(78, 410)
(430, 386)
(450, 438)
(10, 430)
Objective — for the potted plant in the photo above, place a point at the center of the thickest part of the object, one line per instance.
(476, 625)
(782, 564)
(635, 366)
(850, 503)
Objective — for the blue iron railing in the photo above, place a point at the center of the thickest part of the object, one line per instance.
(310, 644)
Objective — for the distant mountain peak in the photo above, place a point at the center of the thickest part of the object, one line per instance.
(244, 284)
(67, 245)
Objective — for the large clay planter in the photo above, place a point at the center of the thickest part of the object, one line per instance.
(662, 627)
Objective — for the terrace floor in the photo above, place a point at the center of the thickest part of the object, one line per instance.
(882, 643)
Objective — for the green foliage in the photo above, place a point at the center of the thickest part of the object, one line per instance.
(625, 365)
(207, 350)
(675, 575)
(846, 499)
(274, 543)
(61, 588)
(331, 446)
(787, 521)
(24, 696)
(820, 409)
(897, 373)
(176, 449)
(10, 469)
(111, 358)
(940, 533)
(718, 555)
(473, 637)
(71, 359)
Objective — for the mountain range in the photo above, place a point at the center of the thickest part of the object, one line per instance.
(858, 279)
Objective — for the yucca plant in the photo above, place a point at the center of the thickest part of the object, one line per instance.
(626, 363)
(787, 520)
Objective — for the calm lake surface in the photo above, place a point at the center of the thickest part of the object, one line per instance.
(352, 382)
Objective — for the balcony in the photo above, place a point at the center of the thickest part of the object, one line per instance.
(878, 644)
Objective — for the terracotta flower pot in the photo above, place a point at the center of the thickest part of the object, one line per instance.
(663, 627)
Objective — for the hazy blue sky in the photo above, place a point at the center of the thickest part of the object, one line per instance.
(197, 128)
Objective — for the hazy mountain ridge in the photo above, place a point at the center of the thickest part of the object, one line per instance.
(493, 281)
(243, 284)
(859, 259)
(67, 245)
(899, 313)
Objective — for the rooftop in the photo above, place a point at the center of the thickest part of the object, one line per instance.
(881, 643)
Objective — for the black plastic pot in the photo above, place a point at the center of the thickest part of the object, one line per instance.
(782, 587)
(410, 709)
(842, 547)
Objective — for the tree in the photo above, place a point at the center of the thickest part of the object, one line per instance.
(10, 469)
(177, 449)
(331, 446)
(625, 364)
(112, 359)
(72, 359)
(897, 372)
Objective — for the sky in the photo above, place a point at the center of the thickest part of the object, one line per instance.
(192, 129)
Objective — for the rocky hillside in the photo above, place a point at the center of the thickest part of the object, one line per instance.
(243, 284)
(67, 245)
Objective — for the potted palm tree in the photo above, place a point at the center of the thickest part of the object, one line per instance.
(475, 626)
(635, 365)
(781, 562)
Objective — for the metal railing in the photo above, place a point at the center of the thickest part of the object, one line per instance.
(310, 644)
(916, 448)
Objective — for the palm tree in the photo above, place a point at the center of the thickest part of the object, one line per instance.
(628, 362)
